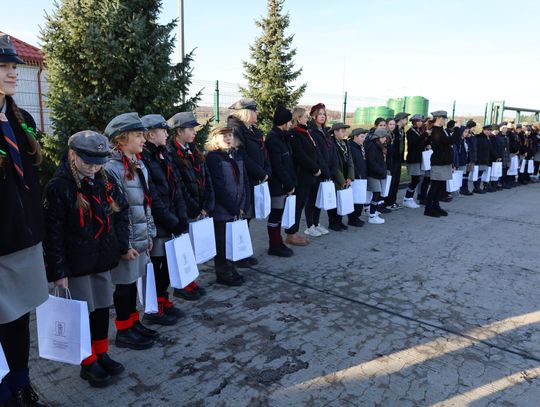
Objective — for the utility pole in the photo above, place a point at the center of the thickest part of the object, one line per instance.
(453, 110)
(181, 51)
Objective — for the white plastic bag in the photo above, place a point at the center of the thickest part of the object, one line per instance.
(530, 166)
(4, 368)
(147, 290)
(386, 186)
(523, 166)
(345, 204)
(237, 240)
(63, 330)
(473, 174)
(514, 166)
(203, 239)
(426, 160)
(262, 200)
(359, 190)
(181, 261)
(486, 175)
(289, 212)
(496, 170)
(326, 196)
(455, 183)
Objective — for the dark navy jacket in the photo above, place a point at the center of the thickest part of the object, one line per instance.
(283, 178)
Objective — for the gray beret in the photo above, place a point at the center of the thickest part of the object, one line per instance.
(379, 133)
(91, 147)
(8, 53)
(357, 132)
(244, 104)
(401, 115)
(338, 126)
(124, 122)
(154, 121)
(417, 117)
(440, 113)
(183, 120)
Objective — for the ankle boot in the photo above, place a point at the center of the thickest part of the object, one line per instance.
(95, 375)
(109, 365)
(130, 338)
(160, 317)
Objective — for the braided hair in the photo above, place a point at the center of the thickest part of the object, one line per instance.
(30, 133)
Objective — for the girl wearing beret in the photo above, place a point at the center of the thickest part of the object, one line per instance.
(23, 284)
(231, 187)
(190, 167)
(358, 153)
(86, 229)
(126, 135)
(251, 145)
(328, 163)
(168, 211)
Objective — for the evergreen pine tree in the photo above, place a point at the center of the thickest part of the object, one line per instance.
(271, 72)
(109, 57)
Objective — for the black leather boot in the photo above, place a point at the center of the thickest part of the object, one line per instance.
(109, 365)
(144, 331)
(95, 375)
(130, 338)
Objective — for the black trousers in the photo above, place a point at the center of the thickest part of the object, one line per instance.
(125, 300)
(302, 193)
(219, 231)
(99, 324)
(313, 214)
(161, 271)
(334, 218)
(394, 185)
(424, 187)
(15, 340)
(415, 180)
(436, 188)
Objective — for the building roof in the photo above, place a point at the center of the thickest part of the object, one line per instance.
(27, 52)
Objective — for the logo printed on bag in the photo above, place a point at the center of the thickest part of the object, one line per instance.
(60, 329)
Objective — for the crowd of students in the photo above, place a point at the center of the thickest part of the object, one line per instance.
(117, 197)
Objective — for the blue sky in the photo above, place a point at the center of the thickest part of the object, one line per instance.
(472, 51)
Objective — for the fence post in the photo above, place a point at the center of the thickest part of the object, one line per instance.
(344, 118)
(216, 103)
(485, 114)
(453, 110)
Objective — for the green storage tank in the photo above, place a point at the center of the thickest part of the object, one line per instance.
(396, 104)
(361, 116)
(417, 105)
(382, 111)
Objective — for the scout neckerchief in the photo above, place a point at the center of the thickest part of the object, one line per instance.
(95, 211)
(182, 151)
(12, 145)
(306, 132)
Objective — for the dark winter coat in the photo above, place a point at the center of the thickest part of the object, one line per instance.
(416, 144)
(328, 159)
(22, 216)
(189, 166)
(484, 151)
(495, 152)
(376, 162)
(397, 146)
(358, 153)
(167, 192)
(513, 142)
(503, 148)
(283, 178)
(305, 154)
(252, 149)
(345, 168)
(231, 184)
(441, 143)
(79, 242)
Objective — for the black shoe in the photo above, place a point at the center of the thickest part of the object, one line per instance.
(447, 198)
(343, 226)
(237, 275)
(242, 264)
(335, 227)
(490, 189)
(506, 186)
(434, 213)
(421, 201)
(95, 375)
(24, 397)
(173, 311)
(356, 223)
(157, 319)
(383, 209)
(252, 261)
(479, 191)
(280, 251)
(110, 366)
(200, 290)
(191, 295)
(132, 339)
(441, 211)
(144, 331)
(229, 280)
(465, 192)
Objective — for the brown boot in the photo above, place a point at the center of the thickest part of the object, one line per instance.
(296, 240)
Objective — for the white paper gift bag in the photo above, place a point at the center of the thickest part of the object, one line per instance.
(426, 160)
(63, 330)
(496, 170)
(289, 212)
(359, 190)
(203, 239)
(530, 166)
(523, 166)
(386, 186)
(326, 196)
(455, 183)
(514, 166)
(146, 288)
(345, 201)
(181, 261)
(262, 200)
(237, 240)
(486, 175)
(4, 368)
(473, 174)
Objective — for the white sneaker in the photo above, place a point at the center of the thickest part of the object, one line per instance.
(312, 231)
(409, 203)
(322, 230)
(375, 219)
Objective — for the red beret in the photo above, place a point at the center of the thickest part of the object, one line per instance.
(316, 108)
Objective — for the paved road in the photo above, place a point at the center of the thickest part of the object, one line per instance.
(416, 312)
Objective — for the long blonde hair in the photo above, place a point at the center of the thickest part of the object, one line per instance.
(297, 113)
(212, 144)
(244, 115)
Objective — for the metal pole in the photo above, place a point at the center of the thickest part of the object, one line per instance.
(181, 52)
(485, 114)
(404, 100)
(344, 117)
(454, 110)
(518, 117)
(216, 103)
